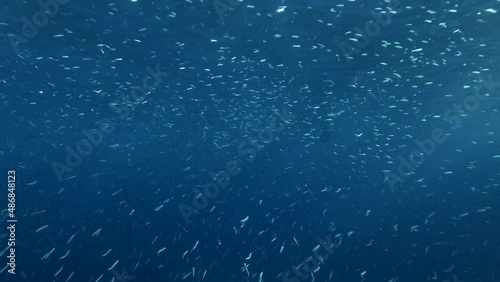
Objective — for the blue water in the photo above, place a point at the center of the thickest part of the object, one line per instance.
(379, 164)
